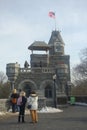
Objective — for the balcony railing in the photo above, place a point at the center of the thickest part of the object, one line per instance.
(37, 70)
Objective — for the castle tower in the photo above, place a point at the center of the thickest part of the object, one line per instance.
(59, 61)
(56, 43)
(39, 60)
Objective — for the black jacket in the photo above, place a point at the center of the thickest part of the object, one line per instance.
(24, 100)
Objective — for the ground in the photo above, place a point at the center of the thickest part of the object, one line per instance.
(72, 118)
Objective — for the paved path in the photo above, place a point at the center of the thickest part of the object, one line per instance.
(72, 118)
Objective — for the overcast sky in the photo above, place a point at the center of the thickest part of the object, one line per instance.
(24, 21)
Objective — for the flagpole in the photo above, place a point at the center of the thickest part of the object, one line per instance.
(55, 23)
(52, 15)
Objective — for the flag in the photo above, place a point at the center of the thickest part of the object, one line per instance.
(51, 14)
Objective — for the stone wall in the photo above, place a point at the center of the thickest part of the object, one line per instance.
(3, 105)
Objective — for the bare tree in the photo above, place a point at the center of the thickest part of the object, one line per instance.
(83, 55)
(3, 77)
(5, 90)
(80, 71)
(83, 66)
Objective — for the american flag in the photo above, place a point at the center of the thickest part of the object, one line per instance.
(51, 14)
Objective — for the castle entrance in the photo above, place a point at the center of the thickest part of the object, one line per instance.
(27, 86)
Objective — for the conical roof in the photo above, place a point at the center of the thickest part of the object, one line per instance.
(55, 36)
(39, 45)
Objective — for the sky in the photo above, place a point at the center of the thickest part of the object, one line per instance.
(24, 21)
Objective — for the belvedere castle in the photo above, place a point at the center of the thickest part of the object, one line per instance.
(48, 74)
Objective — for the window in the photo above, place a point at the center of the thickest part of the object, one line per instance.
(58, 48)
(48, 91)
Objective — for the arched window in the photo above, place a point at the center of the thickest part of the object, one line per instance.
(48, 91)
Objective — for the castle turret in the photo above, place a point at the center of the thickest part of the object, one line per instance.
(12, 71)
(56, 43)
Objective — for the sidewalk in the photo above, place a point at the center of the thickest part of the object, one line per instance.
(72, 118)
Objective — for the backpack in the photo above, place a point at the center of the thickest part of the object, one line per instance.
(14, 100)
(19, 101)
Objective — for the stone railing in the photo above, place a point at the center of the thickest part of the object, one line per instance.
(37, 69)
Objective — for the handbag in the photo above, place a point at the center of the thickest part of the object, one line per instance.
(29, 106)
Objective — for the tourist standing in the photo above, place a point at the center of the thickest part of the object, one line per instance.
(14, 97)
(33, 101)
(21, 102)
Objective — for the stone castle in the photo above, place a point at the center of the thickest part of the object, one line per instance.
(48, 74)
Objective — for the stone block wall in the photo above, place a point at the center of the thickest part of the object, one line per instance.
(3, 105)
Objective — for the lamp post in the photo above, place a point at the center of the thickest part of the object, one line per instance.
(69, 84)
(55, 101)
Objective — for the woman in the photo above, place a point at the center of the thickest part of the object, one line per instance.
(21, 102)
(33, 101)
(14, 97)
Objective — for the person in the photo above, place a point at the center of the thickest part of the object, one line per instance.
(26, 65)
(21, 102)
(14, 97)
(33, 101)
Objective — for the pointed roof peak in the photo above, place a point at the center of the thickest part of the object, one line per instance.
(56, 36)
